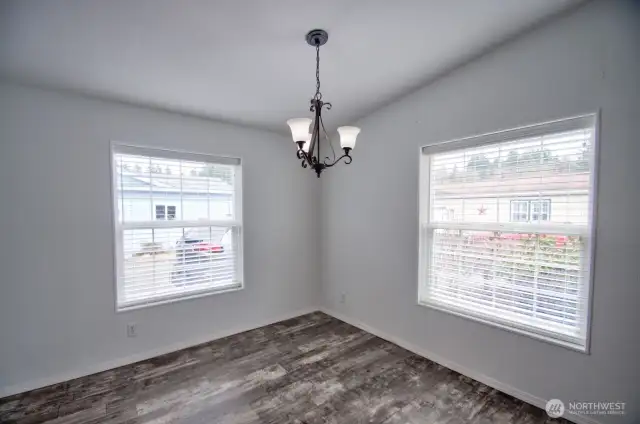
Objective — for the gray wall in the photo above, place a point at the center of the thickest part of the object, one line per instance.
(57, 316)
(580, 63)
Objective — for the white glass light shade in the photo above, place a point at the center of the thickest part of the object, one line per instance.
(299, 129)
(348, 136)
(306, 145)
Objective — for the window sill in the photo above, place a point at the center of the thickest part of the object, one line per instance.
(129, 306)
(503, 326)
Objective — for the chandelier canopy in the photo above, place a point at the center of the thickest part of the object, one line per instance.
(309, 142)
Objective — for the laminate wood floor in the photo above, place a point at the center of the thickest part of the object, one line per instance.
(310, 369)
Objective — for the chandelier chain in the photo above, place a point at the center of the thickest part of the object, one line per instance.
(318, 95)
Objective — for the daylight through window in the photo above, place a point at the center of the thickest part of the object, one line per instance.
(178, 225)
(514, 246)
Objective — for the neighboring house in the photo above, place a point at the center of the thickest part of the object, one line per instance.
(561, 198)
(161, 197)
(164, 198)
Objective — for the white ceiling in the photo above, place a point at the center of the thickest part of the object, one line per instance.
(246, 61)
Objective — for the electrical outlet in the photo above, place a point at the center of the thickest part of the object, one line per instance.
(132, 330)
(343, 298)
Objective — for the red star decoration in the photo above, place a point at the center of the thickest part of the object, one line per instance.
(482, 210)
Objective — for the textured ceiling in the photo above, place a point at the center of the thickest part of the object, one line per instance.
(246, 61)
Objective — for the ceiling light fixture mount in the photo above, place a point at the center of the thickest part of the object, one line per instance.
(317, 37)
(309, 143)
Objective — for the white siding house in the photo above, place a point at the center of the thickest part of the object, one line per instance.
(531, 201)
(164, 198)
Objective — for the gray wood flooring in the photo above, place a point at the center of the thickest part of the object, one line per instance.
(310, 369)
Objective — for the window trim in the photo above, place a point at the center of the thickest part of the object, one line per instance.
(530, 130)
(118, 228)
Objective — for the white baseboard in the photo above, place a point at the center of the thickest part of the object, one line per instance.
(510, 390)
(104, 366)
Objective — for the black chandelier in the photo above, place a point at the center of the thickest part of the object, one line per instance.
(309, 142)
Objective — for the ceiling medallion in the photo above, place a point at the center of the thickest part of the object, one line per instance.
(309, 142)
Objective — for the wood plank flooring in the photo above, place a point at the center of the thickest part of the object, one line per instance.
(311, 369)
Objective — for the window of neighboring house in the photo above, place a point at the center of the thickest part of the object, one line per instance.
(165, 252)
(171, 212)
(540, 210)
(161, 212)
(530, 210)
(519, 211)
(515, 269)
(165, 212)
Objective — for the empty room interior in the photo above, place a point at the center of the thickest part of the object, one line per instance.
(319, 212)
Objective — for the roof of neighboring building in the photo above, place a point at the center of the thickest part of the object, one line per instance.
(174, 184)
(507, 184)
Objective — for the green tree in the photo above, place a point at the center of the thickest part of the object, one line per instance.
(481, 164)
(536, 156)
(512, 159)
(582, 164)
(216, 172)
(154, 169)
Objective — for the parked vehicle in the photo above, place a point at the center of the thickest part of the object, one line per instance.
(196, 252)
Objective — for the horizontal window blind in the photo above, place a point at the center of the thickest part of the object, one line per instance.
(506, 230)
(178, 227)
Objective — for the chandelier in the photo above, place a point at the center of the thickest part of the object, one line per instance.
(309, 142)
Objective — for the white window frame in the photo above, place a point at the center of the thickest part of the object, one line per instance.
(126, 148)
(425, 239)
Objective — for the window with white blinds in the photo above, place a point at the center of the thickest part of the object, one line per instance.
(178, 225)
(507, 228)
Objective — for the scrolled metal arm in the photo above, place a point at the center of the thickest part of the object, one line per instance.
(305, 158)
(347, 159)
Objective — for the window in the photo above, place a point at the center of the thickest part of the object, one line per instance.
(519, 210)
(160, 212)
(165, 212)
(540, 210)
(503, 258)
(530, 210)
(171, 212)
(178, 226)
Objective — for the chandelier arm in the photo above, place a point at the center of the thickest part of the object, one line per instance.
(347, 160)
(306, 159)
(326, 136)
